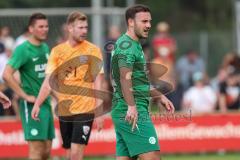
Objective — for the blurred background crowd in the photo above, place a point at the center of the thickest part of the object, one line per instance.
(195, 40)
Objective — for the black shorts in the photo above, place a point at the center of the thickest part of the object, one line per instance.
(76, 129)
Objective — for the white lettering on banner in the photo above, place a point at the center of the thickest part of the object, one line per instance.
(17, 138)
(106, 135)
(165, 132)
(193, 131)
(40, 67)
(12, 138)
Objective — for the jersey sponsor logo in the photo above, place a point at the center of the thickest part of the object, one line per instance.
(152, 140)
(40, 67)
(86, 129)
(34, 132)
(41, 75)
(35, 59)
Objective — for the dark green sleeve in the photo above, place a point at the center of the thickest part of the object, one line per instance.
(126, 59)
(18, 58)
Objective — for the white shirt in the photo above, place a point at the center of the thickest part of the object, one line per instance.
(3, 62)
(200, 99)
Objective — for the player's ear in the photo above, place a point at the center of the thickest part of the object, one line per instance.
(70, 28)
(130, 22)
(30, 29)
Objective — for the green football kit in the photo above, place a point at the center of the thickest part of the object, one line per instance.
(128, 53)
(31, 60)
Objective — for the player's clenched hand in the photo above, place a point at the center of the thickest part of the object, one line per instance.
(35, 113)
(99, 122)
(132, 116)
(5, 101)
(167, 103)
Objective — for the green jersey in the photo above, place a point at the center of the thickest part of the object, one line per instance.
(31, 62)
(128, 53)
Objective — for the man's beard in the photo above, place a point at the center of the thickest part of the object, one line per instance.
(40, 38)
(78, 39)
(138, 34)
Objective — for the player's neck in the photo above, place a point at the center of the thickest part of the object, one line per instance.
(34, 41)
(73, 43)
(131, 34)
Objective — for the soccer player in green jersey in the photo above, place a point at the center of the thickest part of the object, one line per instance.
(30, 60)
(136, 135)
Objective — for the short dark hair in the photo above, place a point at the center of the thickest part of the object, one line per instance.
(76, 15)
(133, 10)
(36, 16)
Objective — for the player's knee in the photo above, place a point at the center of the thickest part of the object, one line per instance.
(35, 154)
(76, 155)
(151, 156)
(68, 154)
(46, 154)
(38, 151)
(155, 156)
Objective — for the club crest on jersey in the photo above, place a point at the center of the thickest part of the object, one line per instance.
(83, 59)
(86, 129)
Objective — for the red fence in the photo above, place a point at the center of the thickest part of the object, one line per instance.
(177, 134)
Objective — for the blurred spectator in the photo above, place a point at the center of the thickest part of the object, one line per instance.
(146, 51)
(113, 34)
(3, 60)
(7, 40)
(199, 98)
(169, 76)
(222, 72)
(221, 76)
(3, 88)
(187, 66)
(22, 38)
(164, 45)
(64, 34)
(230, 88)
(168, 80)
(228, 59)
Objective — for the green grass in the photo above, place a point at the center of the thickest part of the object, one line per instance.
(228, 156)
(212, 156)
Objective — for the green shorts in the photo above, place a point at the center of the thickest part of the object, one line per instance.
(142, 140)
(37, 130)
